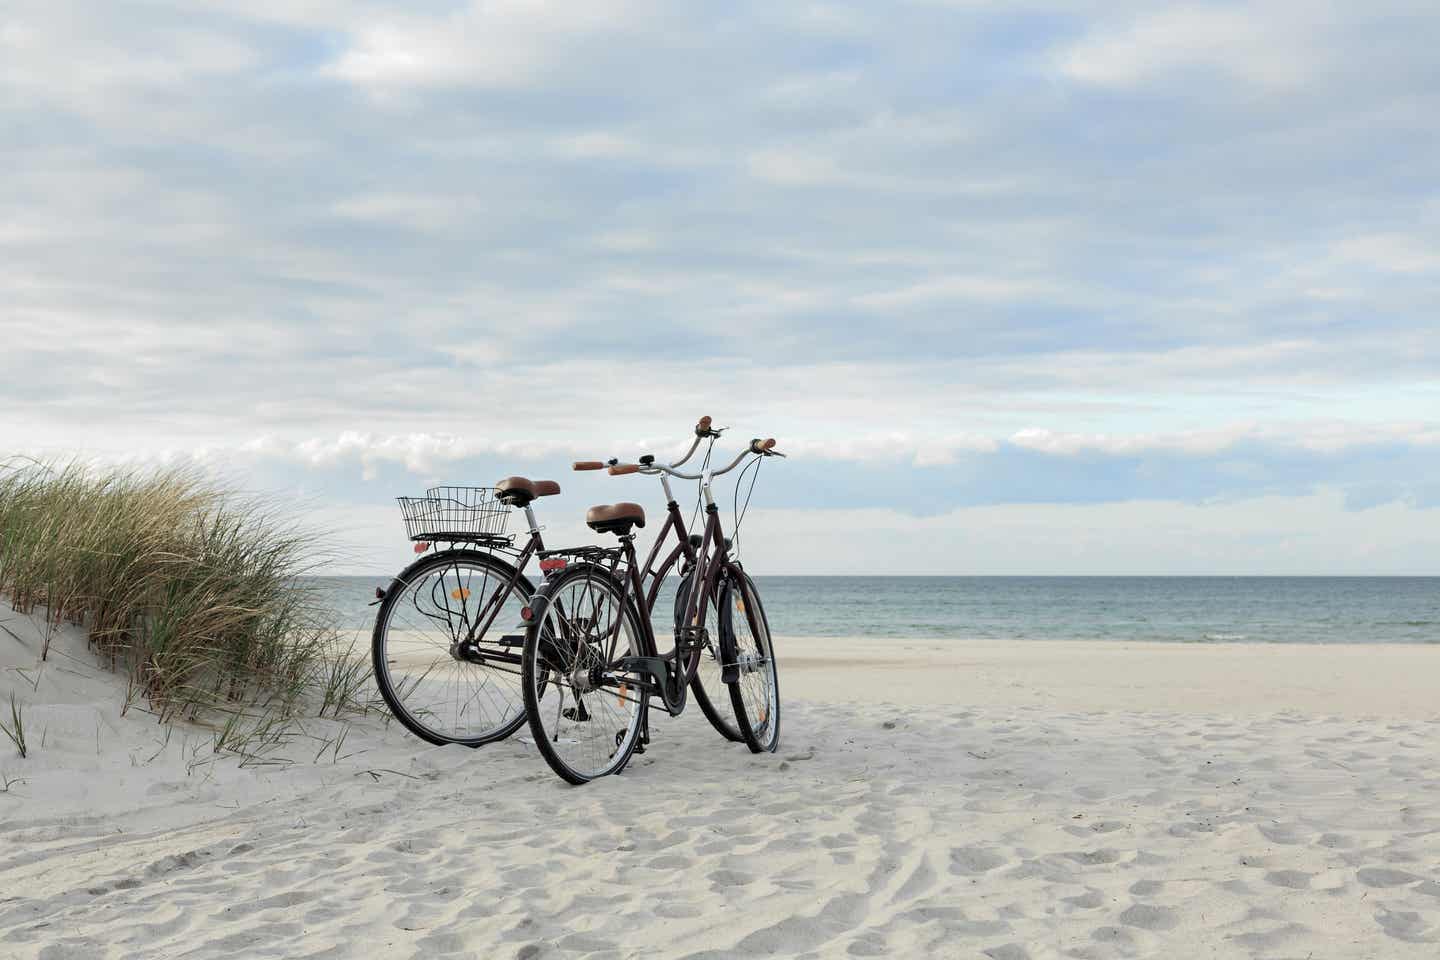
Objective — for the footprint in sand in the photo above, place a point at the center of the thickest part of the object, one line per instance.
(1093, 858)
(1148, 916)
(1383, 877)
(1291, 879)
(731, 878)
(1405, 925)
(972, 861)
(1089, 900)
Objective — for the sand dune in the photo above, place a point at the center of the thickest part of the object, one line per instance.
(880, 829)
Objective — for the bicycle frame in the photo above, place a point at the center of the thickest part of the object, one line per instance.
(672, 687)
(534, 545)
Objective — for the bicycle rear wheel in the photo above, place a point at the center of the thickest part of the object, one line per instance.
(755, 692)
(585, 713)
(438, 691)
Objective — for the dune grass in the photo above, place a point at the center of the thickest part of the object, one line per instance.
(14, 728)
(191, 589)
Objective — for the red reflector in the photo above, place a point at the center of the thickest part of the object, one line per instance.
(553, 563)
(526, 613)
(421, 547)
(379, 593)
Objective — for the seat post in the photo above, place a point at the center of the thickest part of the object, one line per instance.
(530, 517)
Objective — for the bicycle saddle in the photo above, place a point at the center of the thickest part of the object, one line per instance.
(518, 491)
(615, 517)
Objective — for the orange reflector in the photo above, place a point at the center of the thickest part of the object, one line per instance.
(460, 593)
(620, 699)
(421, 546)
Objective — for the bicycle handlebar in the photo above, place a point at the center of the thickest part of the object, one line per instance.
(703, 430)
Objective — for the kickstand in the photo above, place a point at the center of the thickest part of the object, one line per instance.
(644, 733)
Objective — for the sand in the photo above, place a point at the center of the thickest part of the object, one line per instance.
(958, 799)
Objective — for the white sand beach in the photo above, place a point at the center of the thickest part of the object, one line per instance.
(949, 799)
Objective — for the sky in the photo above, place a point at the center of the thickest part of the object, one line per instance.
(1021, 287)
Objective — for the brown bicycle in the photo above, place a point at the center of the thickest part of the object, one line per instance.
(591, 663)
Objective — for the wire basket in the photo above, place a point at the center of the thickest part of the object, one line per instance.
(454, 514)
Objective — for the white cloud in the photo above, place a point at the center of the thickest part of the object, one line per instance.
(488, 43)
(1266, 44)
(1324, 437)
(416, 211)
(827, 166)
(898, 249)
(1276, 535)
(1393, 252)
(984, 289)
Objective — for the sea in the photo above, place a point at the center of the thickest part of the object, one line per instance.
(1140, 609)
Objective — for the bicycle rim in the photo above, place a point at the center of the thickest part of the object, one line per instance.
(755, 695)
(585, 714)
(431, 607)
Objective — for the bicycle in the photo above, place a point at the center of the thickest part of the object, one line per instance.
(589, 636)
(444, 675)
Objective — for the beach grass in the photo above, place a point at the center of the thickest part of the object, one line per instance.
(14, 728)
(194, 590)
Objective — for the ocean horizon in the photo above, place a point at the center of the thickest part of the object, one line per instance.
(1163, 609)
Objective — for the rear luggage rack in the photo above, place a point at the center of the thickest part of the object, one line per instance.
(588, 554)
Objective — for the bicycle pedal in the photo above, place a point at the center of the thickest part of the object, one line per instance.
(730, 673)
(690, 637)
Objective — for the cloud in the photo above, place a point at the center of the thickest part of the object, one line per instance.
(486, 43)
(1024, 250)
(1265, 44)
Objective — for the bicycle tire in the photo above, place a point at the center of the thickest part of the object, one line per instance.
(382, 654)
(706, 684)
(756, 702)
(561, 644)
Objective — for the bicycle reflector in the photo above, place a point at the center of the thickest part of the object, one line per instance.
(421, 546)
(552, 563)
(527, 614)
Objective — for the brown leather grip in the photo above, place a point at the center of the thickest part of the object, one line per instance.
(623, 468)
(587, 465)
(768, 444)
(703, 427)
(762, 446)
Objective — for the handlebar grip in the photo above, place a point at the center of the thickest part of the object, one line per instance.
(702, 429)
(762, 446)
(587, 465)
(623, 468)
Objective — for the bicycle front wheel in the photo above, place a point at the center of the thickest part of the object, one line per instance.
(444, 675)
(585, 710)
(706, 685)
(755, 692)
